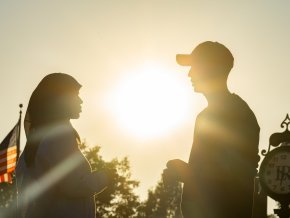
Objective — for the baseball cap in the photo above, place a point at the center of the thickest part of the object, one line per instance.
(208, 52)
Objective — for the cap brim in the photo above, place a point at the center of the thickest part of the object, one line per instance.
(184, 59)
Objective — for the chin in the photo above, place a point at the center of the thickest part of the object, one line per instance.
(197, 90)
(75, 116)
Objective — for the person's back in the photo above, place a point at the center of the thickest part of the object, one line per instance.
(223, 160)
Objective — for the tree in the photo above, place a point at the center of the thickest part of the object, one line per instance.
(163, 201)
(7, 193)
(8, 197)
(119, 200)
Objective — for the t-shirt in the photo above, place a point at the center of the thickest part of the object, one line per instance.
(223, 159)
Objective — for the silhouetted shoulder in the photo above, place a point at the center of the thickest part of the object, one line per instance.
(232, 106)
(59, 142)
(243, 111)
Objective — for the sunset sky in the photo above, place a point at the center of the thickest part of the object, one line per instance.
(137, 101)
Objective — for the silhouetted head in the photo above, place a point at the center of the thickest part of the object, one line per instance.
(211, 63)
(55, 99)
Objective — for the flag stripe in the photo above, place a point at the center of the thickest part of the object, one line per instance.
(9, 153)
(12, 149)
(10, 170)
(7, 168)
(7, 162)
(6, 178)
(7, 157)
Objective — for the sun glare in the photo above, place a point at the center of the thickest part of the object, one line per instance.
(150, 102)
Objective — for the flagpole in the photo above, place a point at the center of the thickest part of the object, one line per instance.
(19, 130)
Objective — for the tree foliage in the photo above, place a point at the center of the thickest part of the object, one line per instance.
(119, 200)
(7, 193)
(7, 197)
(162, 201)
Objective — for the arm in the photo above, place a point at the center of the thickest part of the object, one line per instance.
(66, 168)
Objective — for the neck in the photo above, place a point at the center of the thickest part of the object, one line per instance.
(215, 97)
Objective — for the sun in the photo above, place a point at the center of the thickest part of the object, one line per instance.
(150, 102)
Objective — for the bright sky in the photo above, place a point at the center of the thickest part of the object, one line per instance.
(123, 53)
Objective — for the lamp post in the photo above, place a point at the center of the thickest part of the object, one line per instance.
(274, 172)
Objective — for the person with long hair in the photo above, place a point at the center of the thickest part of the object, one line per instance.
(54, 179)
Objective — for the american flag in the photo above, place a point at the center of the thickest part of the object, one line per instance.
(9, 149)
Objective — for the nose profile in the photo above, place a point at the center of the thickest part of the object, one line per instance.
(80, 101)
(190, 72)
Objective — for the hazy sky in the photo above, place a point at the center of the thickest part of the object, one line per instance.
(107, 44)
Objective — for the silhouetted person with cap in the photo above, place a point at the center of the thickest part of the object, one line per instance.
(219, 176)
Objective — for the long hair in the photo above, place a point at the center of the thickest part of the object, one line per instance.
(44, 109)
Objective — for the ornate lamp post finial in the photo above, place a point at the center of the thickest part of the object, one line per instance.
(286, 122)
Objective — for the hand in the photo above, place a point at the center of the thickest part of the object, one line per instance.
(176, 164)
(179, 168)
(110, 176)
(108, 180)
(169, 177)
